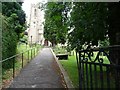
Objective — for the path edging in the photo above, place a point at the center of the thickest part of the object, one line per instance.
(65, 75)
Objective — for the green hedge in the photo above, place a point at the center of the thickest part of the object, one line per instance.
(9, 42)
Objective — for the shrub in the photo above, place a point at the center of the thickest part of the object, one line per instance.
(9, 42)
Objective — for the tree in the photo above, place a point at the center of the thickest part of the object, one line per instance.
(88, 24)
(13, 26)
(94, 22)
(114, 31)
(55, 26)
(9, 10)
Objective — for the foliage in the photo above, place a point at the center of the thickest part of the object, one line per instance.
(94, 22)
(8, 40)
(59, 50)
(88, 24)
(104, 43)
(12, 27)
(55, 26)
(24, 39)
(16, 15)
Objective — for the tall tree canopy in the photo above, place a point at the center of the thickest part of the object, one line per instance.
(16, 16)
(88, 21)
(12, 27)
(55, 26)
(93, 22)
(114, 23)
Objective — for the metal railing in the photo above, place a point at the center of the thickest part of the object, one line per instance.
(98, 68)
(23, 57)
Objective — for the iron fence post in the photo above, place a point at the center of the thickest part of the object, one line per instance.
(22, 60)
(13, 67)
(80, 70)
(28, 56)
(34, 52)
(31, 53)
(37, 49)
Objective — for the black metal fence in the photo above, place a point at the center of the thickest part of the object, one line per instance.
(97, 69)
(19, 60)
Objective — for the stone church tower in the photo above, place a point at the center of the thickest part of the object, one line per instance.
(35, 30)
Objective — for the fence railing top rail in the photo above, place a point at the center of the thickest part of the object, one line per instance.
(100, 48)
(15, 55)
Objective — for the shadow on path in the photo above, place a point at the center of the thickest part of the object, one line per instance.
(39, 73)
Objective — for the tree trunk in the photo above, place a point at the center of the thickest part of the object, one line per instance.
(114, 37)
(114, 31)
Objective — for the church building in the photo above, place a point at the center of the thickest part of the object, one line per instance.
(36, 28)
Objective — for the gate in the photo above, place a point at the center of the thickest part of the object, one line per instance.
(96, 69)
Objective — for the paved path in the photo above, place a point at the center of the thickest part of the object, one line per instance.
(39, 73)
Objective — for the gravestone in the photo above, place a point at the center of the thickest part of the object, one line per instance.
(62, 56)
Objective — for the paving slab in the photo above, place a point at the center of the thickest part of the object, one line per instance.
(39, 73)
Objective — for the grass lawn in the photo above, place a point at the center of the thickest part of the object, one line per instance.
(70, 66)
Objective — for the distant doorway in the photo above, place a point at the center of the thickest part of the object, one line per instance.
(46, 42)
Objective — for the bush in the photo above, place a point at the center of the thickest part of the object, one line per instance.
(13, 25)
(9, 42)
